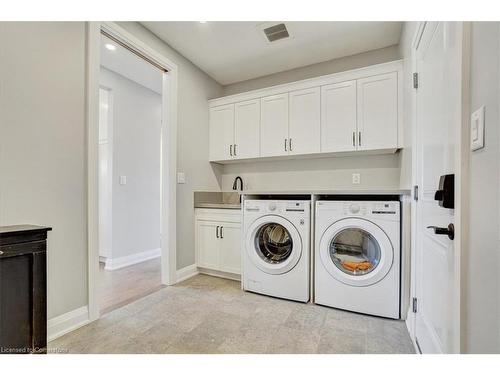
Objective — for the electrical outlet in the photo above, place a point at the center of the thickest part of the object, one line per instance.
(123, 180)
(356, 178)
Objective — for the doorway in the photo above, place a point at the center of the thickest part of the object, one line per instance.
(144, 180)
(130, 112)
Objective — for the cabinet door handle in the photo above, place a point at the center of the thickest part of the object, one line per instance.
(221, 232)
(234, 149)
(285, 145)
(290, 143)
(359, 139)
(230, 150)
(353, 139)
(217, 231)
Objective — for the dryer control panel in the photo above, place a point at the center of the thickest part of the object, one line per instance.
(382, 209)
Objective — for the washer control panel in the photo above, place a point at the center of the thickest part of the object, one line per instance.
(277, 206)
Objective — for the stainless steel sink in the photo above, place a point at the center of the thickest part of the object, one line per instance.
(215, 199)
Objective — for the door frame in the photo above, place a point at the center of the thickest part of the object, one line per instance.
(168, 154)
(461, 185)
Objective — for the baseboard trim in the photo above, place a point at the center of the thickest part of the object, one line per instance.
(65, 323)
(129, 260)
(222, 274)
(186, 273)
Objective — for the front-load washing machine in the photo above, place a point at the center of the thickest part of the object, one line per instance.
(357, 256)
(276, 237)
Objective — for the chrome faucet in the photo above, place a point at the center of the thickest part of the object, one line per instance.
(235, 183)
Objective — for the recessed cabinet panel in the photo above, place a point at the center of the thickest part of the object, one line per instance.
(230, 250)
(378, 112)
(221, 132)
(274, 125)
(338, 117)
(208, 244)
(304, 121)
(247, 129)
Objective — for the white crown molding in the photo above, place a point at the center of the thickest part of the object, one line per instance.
(348, 75)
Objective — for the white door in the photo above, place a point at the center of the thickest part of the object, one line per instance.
(247, 129)
(438, 123)
(378, 112)
(338, 117)
(230, 250)
(221, 132)
(208, 243)
(304, 127)
(274, 125)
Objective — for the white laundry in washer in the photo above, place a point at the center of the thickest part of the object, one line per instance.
(357, 256)
(276, 251)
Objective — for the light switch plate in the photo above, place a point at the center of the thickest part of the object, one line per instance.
(181, 178)
(123, 180)
(356, 178)
(477, 129)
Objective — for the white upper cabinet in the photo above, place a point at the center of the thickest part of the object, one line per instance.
(351, 111)
(274, 125)
(378, 112)
(304, 122)
(247, 129)
(221, 132)
(338, 117)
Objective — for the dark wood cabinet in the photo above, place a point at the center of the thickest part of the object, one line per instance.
(23, 289)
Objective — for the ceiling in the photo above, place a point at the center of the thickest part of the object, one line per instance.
(236, 51)
(131, 66)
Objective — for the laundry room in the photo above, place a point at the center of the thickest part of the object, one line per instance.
(250, 187)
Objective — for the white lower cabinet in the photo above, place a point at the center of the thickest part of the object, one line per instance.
(218, 240)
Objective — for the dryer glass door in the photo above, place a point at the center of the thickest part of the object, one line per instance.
(355, 251)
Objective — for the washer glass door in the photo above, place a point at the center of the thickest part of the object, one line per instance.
(273, 244)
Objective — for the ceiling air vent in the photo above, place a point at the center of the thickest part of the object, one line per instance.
(276, 32)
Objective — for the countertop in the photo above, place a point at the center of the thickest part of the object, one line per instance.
(330, 192)
(230, 200)
(226, 206)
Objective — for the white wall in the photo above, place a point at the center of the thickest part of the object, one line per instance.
(377, 172)
(42, 147)
(377, 56)
(195, 87)
(481, 262)
(136, 155)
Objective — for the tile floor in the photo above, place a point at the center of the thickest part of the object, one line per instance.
(211, 315)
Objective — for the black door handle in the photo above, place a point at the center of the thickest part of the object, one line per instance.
(450, 231)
